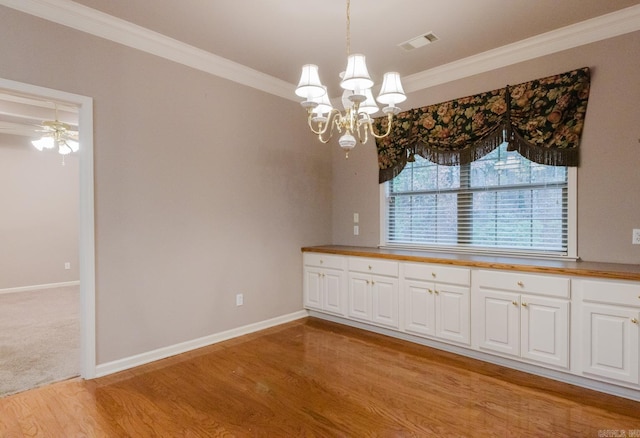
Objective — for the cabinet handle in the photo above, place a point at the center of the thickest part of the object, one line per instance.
(369, 267)
(322, 275)
(515, 303)
(321, 261)
(521, 284)
(373, 282)
(634, 320)
(368, 282)
(437, 293)
(524, 304)
(430, 291)
(433, 274)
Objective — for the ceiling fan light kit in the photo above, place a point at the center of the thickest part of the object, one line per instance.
(357, 100)
(57, 135)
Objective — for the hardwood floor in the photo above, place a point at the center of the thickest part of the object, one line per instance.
(316, 378)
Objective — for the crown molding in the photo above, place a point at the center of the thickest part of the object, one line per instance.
(585, 32)
(91, 21)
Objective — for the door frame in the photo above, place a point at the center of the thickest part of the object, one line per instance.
(86, 232)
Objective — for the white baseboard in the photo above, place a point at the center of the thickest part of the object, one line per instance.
(38, 287)
(172, 350)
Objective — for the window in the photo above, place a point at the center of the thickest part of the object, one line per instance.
(502, 203)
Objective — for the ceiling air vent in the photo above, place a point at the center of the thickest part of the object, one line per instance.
(418, 41)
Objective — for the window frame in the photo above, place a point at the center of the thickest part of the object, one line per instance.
(572, 231)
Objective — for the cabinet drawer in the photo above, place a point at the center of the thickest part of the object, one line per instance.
(609, 292)
(324, 260)
(441, 274)
(373, 266)
(524, 283)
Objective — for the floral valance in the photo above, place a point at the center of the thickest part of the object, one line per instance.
(541, 119)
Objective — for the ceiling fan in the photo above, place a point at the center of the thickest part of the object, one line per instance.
(57, 134)
(52, 134)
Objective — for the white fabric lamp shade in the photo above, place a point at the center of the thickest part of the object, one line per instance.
(356, 76)
(64, 149)
(346, 103)
(44, 143)
(391, 91)
(324, 105)
(73, 145)
(368, 106)
(309, 86)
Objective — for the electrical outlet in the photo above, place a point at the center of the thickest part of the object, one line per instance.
(635, 239)
(356, 230)
(67, 265)
(356, 218)
(239, 300)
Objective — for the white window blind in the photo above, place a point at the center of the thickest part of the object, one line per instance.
(501, 203)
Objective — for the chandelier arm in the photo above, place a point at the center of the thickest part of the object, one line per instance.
(389, 120)
(322, 130)
(363, 134)
(323, 140)
(335, 121)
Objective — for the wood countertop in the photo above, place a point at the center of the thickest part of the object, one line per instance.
(616, 271)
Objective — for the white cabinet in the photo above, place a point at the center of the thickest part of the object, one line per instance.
(609, 314)
(325, 283)
(437, 301)
(373, 291)
(522, 316)
(588, 327)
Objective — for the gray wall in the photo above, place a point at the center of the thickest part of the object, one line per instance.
(193, 206)
(609, 173)
(195, 199)
(39, 220)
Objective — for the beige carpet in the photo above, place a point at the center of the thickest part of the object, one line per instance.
(39, 338)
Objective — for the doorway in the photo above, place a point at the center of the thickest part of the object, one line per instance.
(86, 240)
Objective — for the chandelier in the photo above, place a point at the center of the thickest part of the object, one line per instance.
(57, 135)
(357, 100)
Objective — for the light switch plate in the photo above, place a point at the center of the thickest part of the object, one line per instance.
(636, 236)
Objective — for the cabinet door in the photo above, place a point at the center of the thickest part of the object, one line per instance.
(312, 288)
(610, 342)
(499, 322)
(359, 297)
(545, 330)
(333, 291)
(453, 313)
(384, 294)
(420, 307)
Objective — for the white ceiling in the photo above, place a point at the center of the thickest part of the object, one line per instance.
(276, 37)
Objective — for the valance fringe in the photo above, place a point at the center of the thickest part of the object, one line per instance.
(543, 155)
(446, 158)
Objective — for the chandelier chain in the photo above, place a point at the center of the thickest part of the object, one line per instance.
(348, 27)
